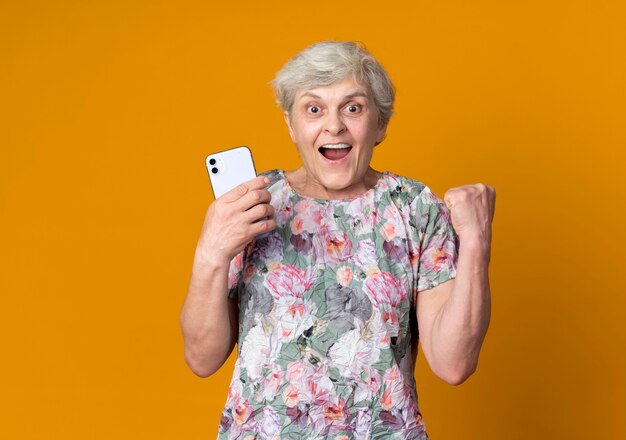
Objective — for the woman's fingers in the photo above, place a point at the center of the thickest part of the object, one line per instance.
(471, 209)
(245, 196)
(252, 198)
(258, 212)
(241, 190)
(237, 217)
(263, 226)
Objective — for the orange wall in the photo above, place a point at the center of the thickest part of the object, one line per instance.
(109, 108)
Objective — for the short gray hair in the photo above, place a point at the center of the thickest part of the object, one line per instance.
(329, 62)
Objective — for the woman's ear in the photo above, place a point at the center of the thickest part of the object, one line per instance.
(382, 133)
(288, 122)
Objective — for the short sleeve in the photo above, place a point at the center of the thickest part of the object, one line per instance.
(439, 243)
(234, 275)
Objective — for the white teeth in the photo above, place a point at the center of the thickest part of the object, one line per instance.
(335, 146)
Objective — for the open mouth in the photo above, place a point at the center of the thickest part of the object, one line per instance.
(335, 151)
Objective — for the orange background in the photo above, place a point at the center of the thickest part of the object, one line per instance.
(109, 108)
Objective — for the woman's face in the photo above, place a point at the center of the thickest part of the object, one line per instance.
(335, 129)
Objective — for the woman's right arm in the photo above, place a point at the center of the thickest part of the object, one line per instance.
(209, 319)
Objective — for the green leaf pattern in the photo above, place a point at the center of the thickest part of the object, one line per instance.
(326, 313)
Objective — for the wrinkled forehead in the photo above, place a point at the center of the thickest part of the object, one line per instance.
(345, 89)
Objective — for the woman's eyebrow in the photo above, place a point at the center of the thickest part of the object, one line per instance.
(310, 94)
(355, 94)
(346, 98)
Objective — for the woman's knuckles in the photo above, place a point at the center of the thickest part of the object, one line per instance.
(469, 194)
(267, 210)
(259, 197)
(271, 224)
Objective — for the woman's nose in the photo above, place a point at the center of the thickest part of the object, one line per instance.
(334, 124)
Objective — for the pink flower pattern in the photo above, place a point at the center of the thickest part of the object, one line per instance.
(325, 338)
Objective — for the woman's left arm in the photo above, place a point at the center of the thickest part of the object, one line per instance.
(453, 317)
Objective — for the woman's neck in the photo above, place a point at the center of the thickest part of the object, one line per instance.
(306, 185)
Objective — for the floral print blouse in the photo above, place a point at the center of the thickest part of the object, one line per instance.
(327, 325)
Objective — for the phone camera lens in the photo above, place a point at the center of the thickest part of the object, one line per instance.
(212, 161)
(214, 170)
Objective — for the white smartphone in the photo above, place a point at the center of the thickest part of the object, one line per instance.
(229, 168)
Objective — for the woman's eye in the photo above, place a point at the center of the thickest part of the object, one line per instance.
(313, 109)
(353, 108)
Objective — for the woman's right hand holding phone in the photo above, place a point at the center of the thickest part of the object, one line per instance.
(233, 220)
(209, 320)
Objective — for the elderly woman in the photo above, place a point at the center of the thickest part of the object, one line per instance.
(325, 275)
